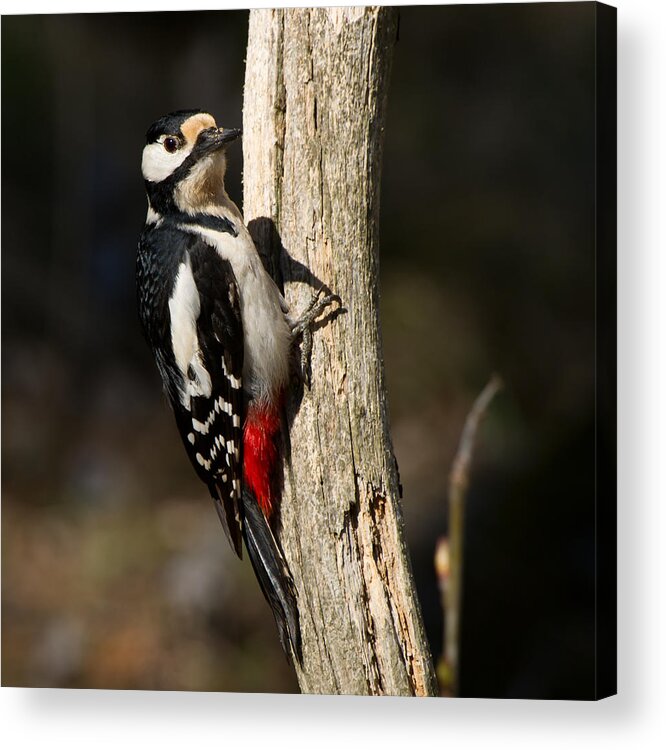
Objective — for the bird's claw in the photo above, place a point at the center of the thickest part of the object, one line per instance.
(303, 327)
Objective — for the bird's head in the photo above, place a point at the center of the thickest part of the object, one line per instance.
(184, 160)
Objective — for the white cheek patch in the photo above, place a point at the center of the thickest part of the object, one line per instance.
(157, 163)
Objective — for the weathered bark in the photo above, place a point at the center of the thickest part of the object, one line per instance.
(315, 95)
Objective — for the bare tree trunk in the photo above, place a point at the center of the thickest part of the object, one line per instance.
(315, 95)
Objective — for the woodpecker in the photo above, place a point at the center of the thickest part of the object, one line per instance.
(222, 336)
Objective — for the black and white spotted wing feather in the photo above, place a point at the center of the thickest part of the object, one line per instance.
(214, 422)
(200, 356)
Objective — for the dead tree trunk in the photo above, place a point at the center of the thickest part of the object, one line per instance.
(315, 95)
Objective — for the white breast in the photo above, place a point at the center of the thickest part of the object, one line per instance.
(267, 336)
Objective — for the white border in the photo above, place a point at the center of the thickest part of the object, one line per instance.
(76, 719)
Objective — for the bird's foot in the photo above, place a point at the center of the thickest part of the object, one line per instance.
(303, 326)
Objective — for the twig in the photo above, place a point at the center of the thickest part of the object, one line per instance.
(449, 551)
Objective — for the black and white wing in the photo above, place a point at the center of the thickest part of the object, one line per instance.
(200, 356)
(210, 411)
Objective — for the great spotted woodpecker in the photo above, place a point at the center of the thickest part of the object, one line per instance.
(222, 339)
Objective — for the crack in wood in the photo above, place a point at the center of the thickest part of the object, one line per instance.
(378, 506)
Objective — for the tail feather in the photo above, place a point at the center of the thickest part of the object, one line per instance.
(273, 574)
(229, 515)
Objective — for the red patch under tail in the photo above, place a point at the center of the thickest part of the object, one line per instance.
(260, 454)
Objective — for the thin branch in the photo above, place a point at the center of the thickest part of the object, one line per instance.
(449, 551)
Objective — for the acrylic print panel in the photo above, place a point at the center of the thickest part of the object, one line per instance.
(496, 132)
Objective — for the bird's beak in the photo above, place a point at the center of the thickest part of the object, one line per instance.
(213, 138)
(226, 135)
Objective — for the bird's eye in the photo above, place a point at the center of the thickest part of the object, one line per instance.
(171, 144)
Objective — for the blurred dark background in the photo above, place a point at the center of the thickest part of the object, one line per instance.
(115, 571)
